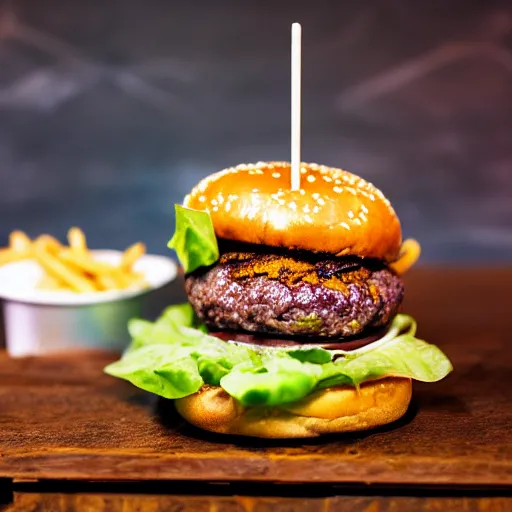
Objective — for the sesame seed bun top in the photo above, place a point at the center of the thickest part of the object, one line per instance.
(334, 211)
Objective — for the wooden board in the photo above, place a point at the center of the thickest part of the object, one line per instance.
(60, 502)
(62, 418)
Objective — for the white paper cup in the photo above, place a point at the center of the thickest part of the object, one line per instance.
(43, 321)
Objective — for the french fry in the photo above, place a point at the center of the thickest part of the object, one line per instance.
(20, 248)
(131, 255)
(85, 263)
(49, 243)
(77, 241)
(409, 253)
(106, 282)
(9, 256)
(19, 241)
(5, 256)
(48, 282)
(128, 279)
(59, 270)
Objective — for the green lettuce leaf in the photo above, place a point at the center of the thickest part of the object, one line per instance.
(403, 356)
(167, 330)
(165, 370)
(194, 239)
(279, 381)
(174, 356)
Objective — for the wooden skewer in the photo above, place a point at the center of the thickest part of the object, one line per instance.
(296, 103)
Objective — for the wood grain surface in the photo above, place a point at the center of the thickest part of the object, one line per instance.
(62, 418)
(58, 502)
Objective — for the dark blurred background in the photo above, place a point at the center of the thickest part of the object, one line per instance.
(111, 110)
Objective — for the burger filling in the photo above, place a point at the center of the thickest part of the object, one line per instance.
(309, 302)
(290, 294)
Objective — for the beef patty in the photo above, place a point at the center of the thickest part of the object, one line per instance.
(294, 294)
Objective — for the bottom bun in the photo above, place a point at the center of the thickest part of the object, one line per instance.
(331, 410)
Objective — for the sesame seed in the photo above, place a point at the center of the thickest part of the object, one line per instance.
(308, 219)
(255, 190)
(302, 192)
(327, 178)
(357, 221)
(320, 201)
(276, 175)
(279, 219)
(363, 207)
(345, 225)
(351, 214)
(227, 207)
(292, 205)
(306, 209)
(338, 190)
(215, 209)
(372, 197)
(311, 178)
(316, 209)
(315, 195)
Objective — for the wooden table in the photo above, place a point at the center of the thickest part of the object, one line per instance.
(70, 435)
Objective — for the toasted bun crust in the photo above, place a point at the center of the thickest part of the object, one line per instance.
(334, 211)
(333, 410)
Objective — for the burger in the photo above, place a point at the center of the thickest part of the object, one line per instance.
(292, 328)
